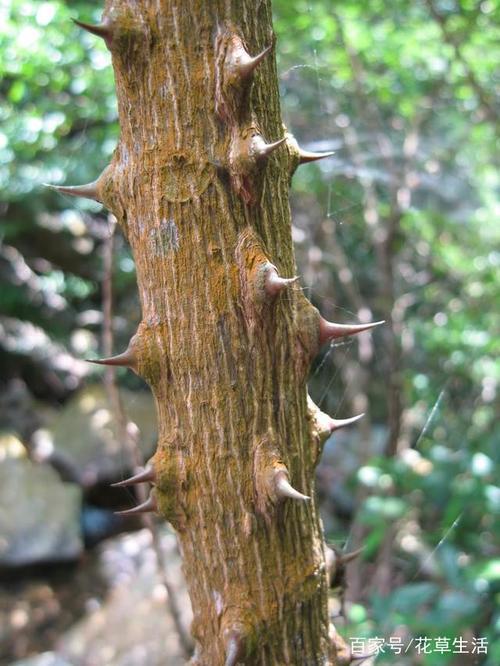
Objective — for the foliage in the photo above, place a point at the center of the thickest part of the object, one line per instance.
(389, 82)
(407, 99)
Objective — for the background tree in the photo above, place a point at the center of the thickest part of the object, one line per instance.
(427, 116)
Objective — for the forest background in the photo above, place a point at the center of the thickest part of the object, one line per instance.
(401, 223)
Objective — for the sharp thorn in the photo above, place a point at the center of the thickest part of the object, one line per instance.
(248, 66)
(146, 475)
(101, 29)
(265, 149)
(149, 505)
(88, 191)
(330, 331)
(305, 156)
(126, 360)
(341, 423)
(349, 557)
(274, 283)
(284, 489)
(359, 658)
(234, 648)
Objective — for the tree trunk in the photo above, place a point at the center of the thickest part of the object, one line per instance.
(225, 343)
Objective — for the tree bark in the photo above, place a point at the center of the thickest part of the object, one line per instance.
(225, 342)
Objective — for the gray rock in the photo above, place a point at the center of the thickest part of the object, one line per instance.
(39, 514)
(132, 626)
(85, 432)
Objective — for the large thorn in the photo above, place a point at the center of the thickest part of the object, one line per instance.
(126, 360)
(234, 648)
(284, 489)
(263, 149)
(330, 331)
(275, 284)
(305, 156)
(149, 505)
(349, 557)
(146, 476)
(101, 30)
(88, 191)
(341, 423)
(247, 65)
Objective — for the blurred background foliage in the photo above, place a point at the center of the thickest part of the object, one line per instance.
(400, 224)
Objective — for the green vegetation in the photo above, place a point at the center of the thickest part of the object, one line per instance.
(402, 221)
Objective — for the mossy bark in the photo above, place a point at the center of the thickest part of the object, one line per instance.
(227, 360)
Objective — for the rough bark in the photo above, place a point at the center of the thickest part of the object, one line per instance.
(224, 343)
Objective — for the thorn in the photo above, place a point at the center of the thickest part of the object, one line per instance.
(234, 648)
(147, 475)
(126, 359)
(101, 30)
(284, 489)
(349, 557)
(88, 191)
(274, 284)
(335, 424)
(262, 149)
(359, 658)
(247, 65)
(149, 505)
(330, 331)
(305, 156)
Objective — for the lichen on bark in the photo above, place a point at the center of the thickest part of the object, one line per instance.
(227, 336)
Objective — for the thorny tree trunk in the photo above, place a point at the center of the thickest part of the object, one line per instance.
(225, 343)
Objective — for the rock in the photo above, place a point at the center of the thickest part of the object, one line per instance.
(110, 610)
(39, 514)
(19, 411)
(132, 625)
(84, 432)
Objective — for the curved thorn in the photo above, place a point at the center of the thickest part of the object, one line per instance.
(341, 423)
(274, 283)
(246, 68)
(284, 489)
(88, 191)
(147, 475)
(149, 505)
(101, 29)
(126, 359)
(349, 557)
(328, 330)
(265, 149)
(305, 156)
(234, 649)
